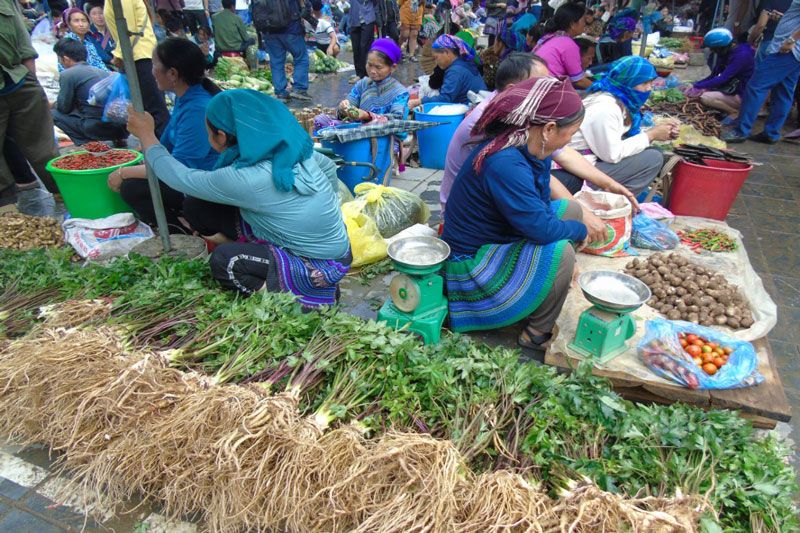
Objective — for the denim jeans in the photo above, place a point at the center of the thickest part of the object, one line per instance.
(277, 46)
(244, 14)
(777, 73)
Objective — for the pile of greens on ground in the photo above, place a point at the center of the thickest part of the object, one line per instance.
(499, 413)
(323, 63)
(672, 96)
(233, 74)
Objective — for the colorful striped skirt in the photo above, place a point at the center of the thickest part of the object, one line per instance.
(313, 281)
(502, 284)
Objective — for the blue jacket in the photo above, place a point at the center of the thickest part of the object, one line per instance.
(738, 64)
(185, 136)
(508, 201)
(460, 77)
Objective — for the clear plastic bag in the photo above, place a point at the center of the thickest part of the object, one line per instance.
(366, 242)
(661, 350)
(393, 210)
(651, 234)
(116, 109)
(98, 93)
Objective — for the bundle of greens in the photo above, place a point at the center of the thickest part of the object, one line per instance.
(341, 372)
(672, 95)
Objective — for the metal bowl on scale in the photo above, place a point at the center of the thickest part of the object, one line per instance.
(419, 253)
(613, 291)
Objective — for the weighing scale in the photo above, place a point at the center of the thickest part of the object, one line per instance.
(604, 328)
(416, 295)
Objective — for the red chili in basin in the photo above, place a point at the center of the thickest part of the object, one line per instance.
(88, 161)
(96, 147)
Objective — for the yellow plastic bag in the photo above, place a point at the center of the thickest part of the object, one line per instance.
(392, 209)
(366, 242)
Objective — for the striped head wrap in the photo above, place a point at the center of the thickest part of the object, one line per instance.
(533, 102)
(454, 43)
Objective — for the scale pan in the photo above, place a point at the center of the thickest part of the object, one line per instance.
(613, 291)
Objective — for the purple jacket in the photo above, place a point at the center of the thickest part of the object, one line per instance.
(739, 64)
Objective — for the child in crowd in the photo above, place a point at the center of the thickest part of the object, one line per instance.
(204, 38)
(324, 35)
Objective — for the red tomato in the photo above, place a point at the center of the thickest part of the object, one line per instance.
(710, 369)
(691, 337)
(718, 362)
(698, 342)
(694, 350)
(684, 343)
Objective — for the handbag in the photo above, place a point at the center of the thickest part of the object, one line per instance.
(731, 87)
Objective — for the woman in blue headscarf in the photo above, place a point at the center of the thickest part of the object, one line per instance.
(284, 231)
(611, 137)
(461, 74)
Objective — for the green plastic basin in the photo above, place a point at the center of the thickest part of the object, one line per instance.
(86, 193)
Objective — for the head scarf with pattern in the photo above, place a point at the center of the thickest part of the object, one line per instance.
(454, 43)
(68, 13)
(625, 74)
(533, 102)
(265, 130)
(617, 27)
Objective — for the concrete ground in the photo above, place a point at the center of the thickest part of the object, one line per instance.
(767, 212)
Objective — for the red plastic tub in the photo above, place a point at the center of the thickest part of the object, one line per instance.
(706, 191)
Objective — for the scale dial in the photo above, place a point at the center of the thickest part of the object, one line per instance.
(404, 292)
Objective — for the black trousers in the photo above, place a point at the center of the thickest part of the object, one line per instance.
(206, 218)
(153, 98)
(362, 37)
(82, 129)
(19, 166)
(244, 267)
(194, 19)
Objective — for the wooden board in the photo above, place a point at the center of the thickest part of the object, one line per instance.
(765, 404)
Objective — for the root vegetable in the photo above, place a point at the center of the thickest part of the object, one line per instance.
(692, 292)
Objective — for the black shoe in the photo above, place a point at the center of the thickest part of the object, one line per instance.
(764, 138)
(283, 97)
(733, 137)
(300, 95)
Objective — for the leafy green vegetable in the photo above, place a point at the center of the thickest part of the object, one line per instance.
(498, 412)
(672, 95)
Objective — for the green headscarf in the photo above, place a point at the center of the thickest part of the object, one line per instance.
(264, 130)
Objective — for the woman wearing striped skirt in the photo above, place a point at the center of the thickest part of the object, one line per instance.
(512, 228)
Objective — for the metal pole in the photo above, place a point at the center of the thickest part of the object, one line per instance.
(138, 105)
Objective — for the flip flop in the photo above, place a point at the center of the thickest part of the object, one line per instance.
(532, 345)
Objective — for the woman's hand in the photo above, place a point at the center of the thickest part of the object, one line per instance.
(143, 127)
(663, 132)
(115, 180)
(414, 102)
(618, 188)
(597, 229)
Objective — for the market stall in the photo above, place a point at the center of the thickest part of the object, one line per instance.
(765, 403)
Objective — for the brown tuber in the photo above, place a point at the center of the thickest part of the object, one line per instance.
(684, 290)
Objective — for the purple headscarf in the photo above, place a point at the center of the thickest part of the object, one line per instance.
(454, 43)
(67, 13)
(389, 48)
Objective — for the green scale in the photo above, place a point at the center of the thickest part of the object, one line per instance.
(416, 294)
(604, 328)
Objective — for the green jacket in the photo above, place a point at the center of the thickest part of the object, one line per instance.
(15, 44)
(230, 33)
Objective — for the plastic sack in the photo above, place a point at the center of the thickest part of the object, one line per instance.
(615, 210)
(98, 93)
(652, 234)
(343, 191)
(656, 210)
(104, 238)
(366, 242)
(661, 350)
(392, 209)
(116, 108)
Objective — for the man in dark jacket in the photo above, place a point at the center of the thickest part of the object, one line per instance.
(72, 112)
(287, 35)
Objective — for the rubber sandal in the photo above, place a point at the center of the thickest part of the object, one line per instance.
(531, 348)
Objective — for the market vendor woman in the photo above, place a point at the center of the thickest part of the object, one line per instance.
(508, 224)
(275, 214)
